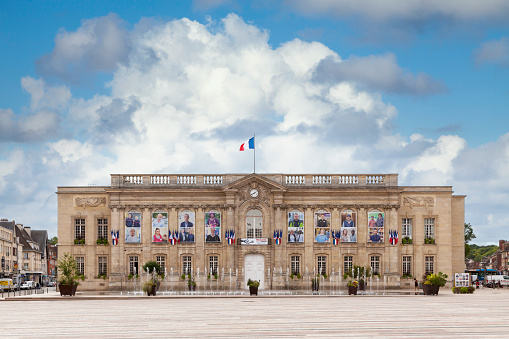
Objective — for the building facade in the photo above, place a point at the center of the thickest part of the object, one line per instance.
(261, 226)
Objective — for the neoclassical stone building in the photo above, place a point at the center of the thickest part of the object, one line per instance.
(251, 224)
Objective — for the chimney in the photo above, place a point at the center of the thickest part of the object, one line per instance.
(28, 229)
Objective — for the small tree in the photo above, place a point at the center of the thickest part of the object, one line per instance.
(151, 265)
(469, 235)
(67, 269)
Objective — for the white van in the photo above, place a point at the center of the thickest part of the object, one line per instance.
(502, 280)
(6, 284)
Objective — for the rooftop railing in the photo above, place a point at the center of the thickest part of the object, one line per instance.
(288, 180)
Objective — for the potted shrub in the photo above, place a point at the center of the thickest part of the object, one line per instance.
(352, 287)
(150, 287)
(253, 286)
(191, 284)
(315, 283)
(406, 241)
(362, 284)
(68, 280)
(431, 285)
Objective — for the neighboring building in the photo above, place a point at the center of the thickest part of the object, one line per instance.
(31, 268)
(6, 245)
(52, 262)
(14, 261)
(41, 238)
(307, 212)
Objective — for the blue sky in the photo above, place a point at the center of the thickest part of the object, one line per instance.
(412, 87)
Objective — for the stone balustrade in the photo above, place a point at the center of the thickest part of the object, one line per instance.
(288, 180)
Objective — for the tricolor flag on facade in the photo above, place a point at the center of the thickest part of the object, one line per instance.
(172, 238)
(247, 145)
(393, 237)
(335, 237)
(278, 234)
(114, 237)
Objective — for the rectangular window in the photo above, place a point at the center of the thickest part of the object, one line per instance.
(80, 265)
(213, 264)
(406, 228)
(322, 264)
(133, 265)
(161, 260)
(25, 266)
(186, 264)
(429, 229)
(79, 228)
(25, 256)
(102, 228)
(102, 265)
(254, 224)
(429, 265)
(407, 265)
(375, 264)
(347, 264)
(295, 264)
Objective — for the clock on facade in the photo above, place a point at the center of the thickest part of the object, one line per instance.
(254, 193)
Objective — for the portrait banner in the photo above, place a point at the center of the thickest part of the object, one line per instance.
(186, 227)
(133, 227)
(160, 227)
(212, 227)
(375, 227)
(296, 227)
(348, 221)
(322, 226)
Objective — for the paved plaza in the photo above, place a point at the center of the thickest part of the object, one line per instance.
(483, 314)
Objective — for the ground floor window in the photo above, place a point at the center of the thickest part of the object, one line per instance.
(375, 264)
(322, 264)
(102, 264)
(133, 265)
(429, 265)
(161, 260)
(407, 265)
(347, 263)
(213, 264)
(186, 264)
(295, 264)
(80, 265)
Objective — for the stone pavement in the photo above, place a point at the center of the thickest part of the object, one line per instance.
(483, 314)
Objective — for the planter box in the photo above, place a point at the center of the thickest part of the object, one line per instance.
(67, 289)
(191, 287)
(362, 286)
(352, 290)
(430, 289)
(253, 290)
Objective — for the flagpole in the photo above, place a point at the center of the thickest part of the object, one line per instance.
(254, 154)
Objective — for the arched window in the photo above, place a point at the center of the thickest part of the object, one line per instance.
(254, 224)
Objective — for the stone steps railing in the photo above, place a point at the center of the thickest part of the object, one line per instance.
(289, 180)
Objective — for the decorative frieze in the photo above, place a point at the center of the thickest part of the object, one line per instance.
(418, 201)
(90, 201)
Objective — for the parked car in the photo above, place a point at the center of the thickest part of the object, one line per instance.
(28, 285)
(51, 284)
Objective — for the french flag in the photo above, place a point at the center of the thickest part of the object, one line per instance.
(247, 145)
(114, 237)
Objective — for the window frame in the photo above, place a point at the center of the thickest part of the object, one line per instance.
(321, 264)
(213, 264)
(79, 228)
(102, 265)
(187, 264)
(295, 264)
(102, 228)
(255, 231)
(161, 260)
(348, 263)
(406, 227)
(134, 263)
(406, 265)
(80, 265)
(374, 262)
(429, 264)
(429, 228)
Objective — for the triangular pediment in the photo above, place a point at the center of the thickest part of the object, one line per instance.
(255, 179)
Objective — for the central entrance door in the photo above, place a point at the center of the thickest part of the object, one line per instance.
(254, 266)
